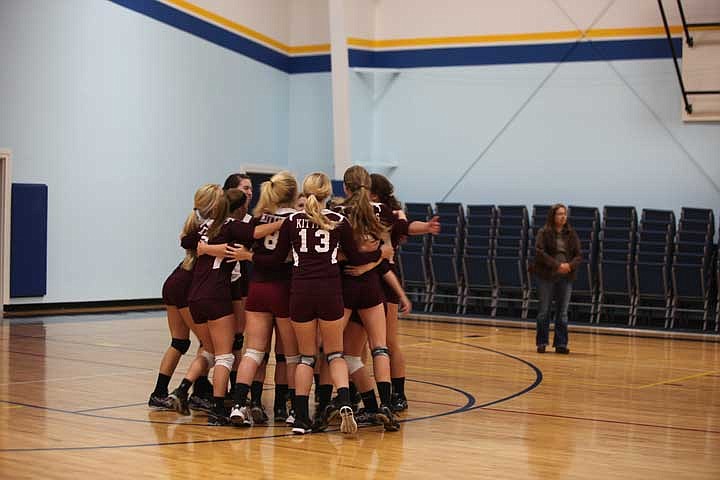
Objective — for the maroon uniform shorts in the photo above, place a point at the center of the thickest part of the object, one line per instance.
(239, 289)
(362, 292)
(176, 287)
(270, 297)
(204, 310)
(305, 307)
(390, 295)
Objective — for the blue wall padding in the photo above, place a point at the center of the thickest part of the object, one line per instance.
(28, 244)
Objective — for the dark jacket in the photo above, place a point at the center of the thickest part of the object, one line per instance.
(545, 264)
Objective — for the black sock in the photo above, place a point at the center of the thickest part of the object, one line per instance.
(370, 401)
(161, 386)
(343, 396)
(203, 387)
(398, 386)
(302, 410)
(219, 406)
(316, 376)
(185, 385)
(353, 392)
(324, 395)
(281, 392)
(240, 393)
(292, 397)
(256, 391)
(384, 389)
(233, 380)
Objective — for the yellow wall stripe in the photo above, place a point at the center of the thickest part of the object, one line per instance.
(419, 42)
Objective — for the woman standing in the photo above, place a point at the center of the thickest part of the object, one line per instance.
(557, 256)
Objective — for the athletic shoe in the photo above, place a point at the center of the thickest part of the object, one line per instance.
(240, 417)
(387, 417)
(159, 402)
(323, 418)
(563, 350)
(541, 349)
(291, 417)
(259, 416)
(215, 420)
(347, 420)
(200, 404)
(366, 418)
(179, 401)
(398, 403)
(301, 427)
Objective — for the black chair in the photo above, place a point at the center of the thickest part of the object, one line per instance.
(652, 290)
(615, 287)
(691, 291)
(416, 277)
(510, 281)
(480, 289)
(445, 288)
(418, 211)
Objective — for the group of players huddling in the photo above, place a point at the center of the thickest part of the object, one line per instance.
(325, 281)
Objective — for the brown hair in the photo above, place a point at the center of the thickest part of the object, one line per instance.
(237, 201)
(209, 202)
(550, 221)
(384, 190)
(357, 205)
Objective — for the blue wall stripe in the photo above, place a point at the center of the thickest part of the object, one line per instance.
(513, 54)
(641, 48)
(208, 31)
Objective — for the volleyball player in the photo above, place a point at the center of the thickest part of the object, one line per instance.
(210, 297)
(269, 297)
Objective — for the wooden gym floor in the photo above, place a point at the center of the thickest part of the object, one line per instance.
(483, 404)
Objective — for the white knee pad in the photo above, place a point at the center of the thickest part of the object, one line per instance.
(209, 357)
(256, 355)
(225, 360)
(292, 359)
(354, 363)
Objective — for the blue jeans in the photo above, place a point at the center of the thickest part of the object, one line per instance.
(559, 290)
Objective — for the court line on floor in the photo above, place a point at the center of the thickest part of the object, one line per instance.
(602, 420)
(93, 362)
(470, 405)
(79, 377)
(679, 379)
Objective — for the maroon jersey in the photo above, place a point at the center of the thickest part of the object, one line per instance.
(211, 275)
(314, 250)
(267, 245)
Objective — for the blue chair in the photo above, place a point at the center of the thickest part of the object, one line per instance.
(479, 284)
(691, 291)
(510, 274)
(446, 288)
(615, 286)
(416, 278)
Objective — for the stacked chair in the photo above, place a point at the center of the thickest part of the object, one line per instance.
(537, 220)
(583, 302)
(615, 260)
(651, 268)
(692, 265)
(445, 260)
(414, 266)
(479, 295)
(508, 258)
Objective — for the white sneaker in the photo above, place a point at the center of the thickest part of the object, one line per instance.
(347, 420)
(240, 417)
(290, 418)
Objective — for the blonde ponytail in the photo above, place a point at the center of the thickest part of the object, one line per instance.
(279, 191)
(192, 223)
(317, 188)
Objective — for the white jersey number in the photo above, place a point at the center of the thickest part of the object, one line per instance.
(271, 240)
(324, 237)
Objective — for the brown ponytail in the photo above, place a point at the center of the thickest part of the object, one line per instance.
(358, 208)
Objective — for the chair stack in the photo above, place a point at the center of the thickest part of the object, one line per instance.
(615, 260)
(537, 220)
(586, 223)
(479, 294)
(413, 255)
(445, 260)
(651, 269)
(692, 264)
(508, 257)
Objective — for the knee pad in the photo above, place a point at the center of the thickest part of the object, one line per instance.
(182, 345)
(225, 360)
(280, 358)
(333, 356)
(354, 363)
(238, 342)
(266, 357)
(209, 357)
(256, 355)
(380, 351)
(308, 360)
(292, 359)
